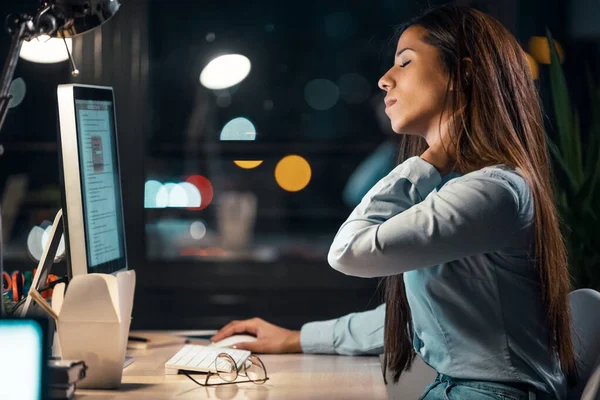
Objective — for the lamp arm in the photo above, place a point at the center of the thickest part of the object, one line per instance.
(21, 29)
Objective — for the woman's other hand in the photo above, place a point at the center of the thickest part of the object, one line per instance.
(270, 338)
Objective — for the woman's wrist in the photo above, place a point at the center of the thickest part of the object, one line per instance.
(441, 163)
(292, 343)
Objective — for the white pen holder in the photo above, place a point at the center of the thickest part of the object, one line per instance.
(93, 320)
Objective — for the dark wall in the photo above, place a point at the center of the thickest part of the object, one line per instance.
(148, 55)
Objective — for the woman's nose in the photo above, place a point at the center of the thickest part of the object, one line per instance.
(385, 83)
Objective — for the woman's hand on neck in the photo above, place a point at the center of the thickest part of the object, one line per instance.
(441, 152)
(439, 159)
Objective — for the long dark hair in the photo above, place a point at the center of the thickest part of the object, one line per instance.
(498, 120)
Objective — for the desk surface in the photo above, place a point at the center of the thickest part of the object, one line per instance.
(294, 376)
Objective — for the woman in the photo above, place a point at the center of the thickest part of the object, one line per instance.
(464, 231)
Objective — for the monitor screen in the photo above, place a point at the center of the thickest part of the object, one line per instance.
(100, 182)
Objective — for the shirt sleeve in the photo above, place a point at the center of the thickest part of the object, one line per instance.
(353, 334)
(401, 226)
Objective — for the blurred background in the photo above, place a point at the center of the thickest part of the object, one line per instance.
(249, 130)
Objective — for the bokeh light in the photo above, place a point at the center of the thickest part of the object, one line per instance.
(248, 164)
(60, 252)
(197, 230)
(17, 91)
(181, 195)
(540, 49)
(204, 187)
(533, 66)
(193, 195)
(225, 71)
(177, 195)
(34, 243)
(151, 190)
(238, 129)
(45, 50)
(45, 224)
(162, 197)
(37, 239)
(321, 94)
(293, 173)
(268, 105)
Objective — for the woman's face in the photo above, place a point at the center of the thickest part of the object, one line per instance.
(415, 86)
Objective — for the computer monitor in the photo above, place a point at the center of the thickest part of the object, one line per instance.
(90, 180)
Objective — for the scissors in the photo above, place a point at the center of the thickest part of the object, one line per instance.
(14, 284)
(17, 285)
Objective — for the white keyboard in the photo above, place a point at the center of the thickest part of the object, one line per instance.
(197, 358)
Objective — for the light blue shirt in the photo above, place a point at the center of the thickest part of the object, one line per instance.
(463, 245)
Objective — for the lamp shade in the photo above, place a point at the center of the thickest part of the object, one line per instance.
(75, 17)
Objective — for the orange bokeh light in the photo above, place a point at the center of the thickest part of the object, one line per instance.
(293, 173)
(248, 164)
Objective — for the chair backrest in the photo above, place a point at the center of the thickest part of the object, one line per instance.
(585, 329)
(592, 389)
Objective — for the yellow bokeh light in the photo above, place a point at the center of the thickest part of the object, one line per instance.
(540, 50)
(293, 173)
(246, 164)
(533, 66)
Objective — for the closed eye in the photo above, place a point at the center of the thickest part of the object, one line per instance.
(405, 64)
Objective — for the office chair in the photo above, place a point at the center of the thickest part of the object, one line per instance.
(585, 328)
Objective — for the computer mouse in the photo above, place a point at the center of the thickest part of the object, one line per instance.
(233, 340)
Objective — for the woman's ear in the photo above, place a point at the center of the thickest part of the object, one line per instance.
(465, 74)
(466, 70)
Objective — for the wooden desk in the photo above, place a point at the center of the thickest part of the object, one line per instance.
(297, 376)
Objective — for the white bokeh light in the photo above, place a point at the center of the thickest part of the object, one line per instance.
(34, 243)
(177, 195)
(151, 191)
(17, 91)
(193, 194)
(45, 50)
(61, 245)
(225, 71)
(162, 197)
(238, 129)
(197, 230)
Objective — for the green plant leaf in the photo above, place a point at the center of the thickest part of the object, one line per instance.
(577, 158)
(563, 113)
(555, 151)
(592, 163)
(592, 159)
(588, 193)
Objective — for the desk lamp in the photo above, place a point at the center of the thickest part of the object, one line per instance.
(54, 18)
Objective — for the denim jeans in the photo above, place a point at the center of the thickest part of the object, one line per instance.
(447, 388)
